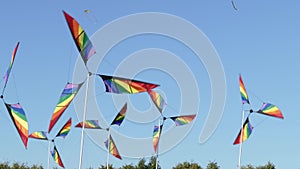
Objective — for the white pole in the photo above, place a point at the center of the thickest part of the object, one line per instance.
(108, 148)
(49, 144)
(241, 140)
(84, 118)
(156, 166)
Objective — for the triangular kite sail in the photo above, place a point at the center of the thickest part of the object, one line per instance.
(157, 99)
(121, 85)
(120, 116)
(56, 157)
(83, 43)
(90, 124)
(270, 110)
(110, 145)
(244, 133)
(10, 65)
(65, 100)
(19, 119)
(244, 95)
(182, 120)
(42, 135)
(156, 136)
(64, 131)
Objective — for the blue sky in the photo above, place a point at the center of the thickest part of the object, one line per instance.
(259, 40)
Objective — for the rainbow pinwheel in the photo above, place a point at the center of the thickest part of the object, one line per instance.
(62, 133)
(109, 143)
(267, 109)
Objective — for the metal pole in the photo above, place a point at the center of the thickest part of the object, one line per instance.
(49, 144)
(241, 141)
(108, 148)
(156, 166)
(84, 118)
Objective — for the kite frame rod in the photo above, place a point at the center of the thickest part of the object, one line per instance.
(84, 118)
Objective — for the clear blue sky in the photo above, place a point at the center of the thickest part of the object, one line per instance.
(260, 40)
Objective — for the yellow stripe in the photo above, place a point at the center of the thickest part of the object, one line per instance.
(123, 85)
(67, 101)
(21, 122)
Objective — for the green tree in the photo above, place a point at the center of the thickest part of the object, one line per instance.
(36, 167)
(249, 166)
(187, 165)
(110, 166)
(152, 163)
(212, 165)
(128, 167)
(4, 165)
(19, 166)
(269, 165)
(141, 164)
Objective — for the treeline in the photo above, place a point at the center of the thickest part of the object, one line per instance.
(143, 164)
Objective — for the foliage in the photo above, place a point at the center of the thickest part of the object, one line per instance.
(142, 164)
(187, 165)
(269, 165)
(16, 165)
(105, 167)
(249, 166)
(128, 167)
(212, 165)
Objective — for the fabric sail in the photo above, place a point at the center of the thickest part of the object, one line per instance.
(64, 131)
(90, 124)
(6, 75)
(244, 133)
(57, 157)
(81, 39)
(19, 119)
(158, 100)
(110, 145)
(121, 85)
(182, 120)
(244, 95)
(156, 136)
(120, 116)
(270, 110)
(65, 100)
(42, 135)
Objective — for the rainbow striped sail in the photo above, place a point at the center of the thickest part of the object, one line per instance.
(90, 124)
(244, 133)
(56, 157)
(19, 119)
(120, 85)
(182, 120)
(244, 95)
(42, 135)
(83, 43)
(120, 116)
(64, 131)
(112, 148)
(156, 136)
(65, 100)
(158, 100)
(270, 110)
(10, 65)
